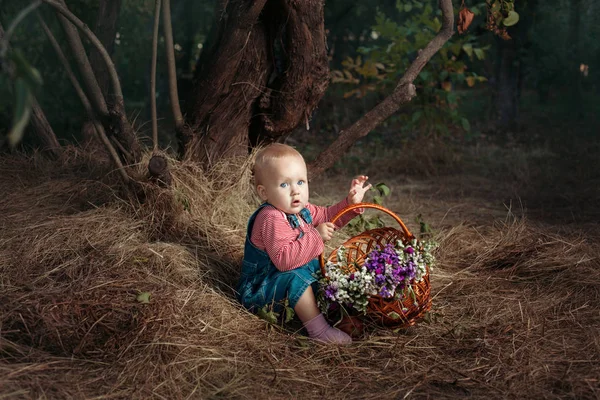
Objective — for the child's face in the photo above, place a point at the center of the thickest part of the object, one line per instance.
(285, 184)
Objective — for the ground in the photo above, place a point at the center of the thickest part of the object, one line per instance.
(515, 293)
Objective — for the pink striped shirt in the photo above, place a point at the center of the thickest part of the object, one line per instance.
(273, 234)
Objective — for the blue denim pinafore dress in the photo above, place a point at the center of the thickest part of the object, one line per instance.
(261, 283)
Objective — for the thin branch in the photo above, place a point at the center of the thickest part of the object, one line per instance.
(84, 66)
(84, 101)
(172, 72)
(106, 30)
(403, 93)
(432, 47)
(15, 22)
(153, 75)
(116, 85)
(126, 132)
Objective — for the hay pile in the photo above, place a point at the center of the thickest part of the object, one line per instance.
(515, 308)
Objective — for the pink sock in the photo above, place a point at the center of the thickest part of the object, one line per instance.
(319, 330)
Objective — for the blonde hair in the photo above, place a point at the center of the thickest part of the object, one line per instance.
(274, 151)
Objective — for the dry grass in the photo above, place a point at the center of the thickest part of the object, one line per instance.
(516, 304)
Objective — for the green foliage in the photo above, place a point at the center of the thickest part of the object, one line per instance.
(502, 13)
(143, 297)
(425, 230)
(183, 199)
(396, 45)
(272, 313)
(131, 56)
(25, 81)
(362, 223)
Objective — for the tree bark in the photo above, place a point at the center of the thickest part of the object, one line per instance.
(264, 75)
(171, 69)
(83, 63)
(296, 90)
(106, 31)
(43, 130)
(226, 86)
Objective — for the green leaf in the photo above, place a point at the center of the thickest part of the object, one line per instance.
(511, 19)
(416, 116)
(393, 315)
(143, 297)
(427, 317)
(468, 48)
(24, 70)
(425, 75)
(407, 7)
(377, 200)
(451, 98)
(465, 124)
(437, 24)
(383, 189)
(22, 111)
(479, 53)
(268, 315)
(289, 314)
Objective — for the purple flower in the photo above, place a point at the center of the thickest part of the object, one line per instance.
(409, 250)
(351, 277)
(330, 292)
(384, 292)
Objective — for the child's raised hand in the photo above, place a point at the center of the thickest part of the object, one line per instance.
(358, 189)
(326, 230)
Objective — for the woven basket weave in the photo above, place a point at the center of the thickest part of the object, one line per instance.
(388, 312)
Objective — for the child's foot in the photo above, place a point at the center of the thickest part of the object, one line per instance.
(319, 330)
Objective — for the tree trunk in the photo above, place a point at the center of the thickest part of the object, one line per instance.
(507, 85)
(43, 130)
(106, 31)
(264, 74)
(509, 74)
(574, 58)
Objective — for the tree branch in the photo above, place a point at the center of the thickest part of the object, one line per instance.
(126, 133)
(83, 64)
(84, 101)
(44, 130)
(105, 30)
(172, 72)
(5, 37)
(153, 75)
(403, 93)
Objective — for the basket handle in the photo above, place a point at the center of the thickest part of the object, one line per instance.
(351, 207)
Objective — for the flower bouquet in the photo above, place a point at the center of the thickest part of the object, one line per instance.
(382, 274)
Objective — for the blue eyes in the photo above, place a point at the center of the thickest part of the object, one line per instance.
(285, 184)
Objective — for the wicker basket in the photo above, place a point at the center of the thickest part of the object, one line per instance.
(388, 312)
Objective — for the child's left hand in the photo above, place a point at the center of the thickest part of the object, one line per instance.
(357, 189)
